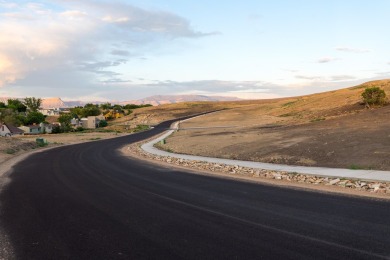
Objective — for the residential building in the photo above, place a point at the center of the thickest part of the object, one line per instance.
(9, 130)
(32, 129)
(50, 111)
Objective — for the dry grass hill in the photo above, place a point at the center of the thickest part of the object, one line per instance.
(331, 129)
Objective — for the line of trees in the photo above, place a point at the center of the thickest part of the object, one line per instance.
(17, 112)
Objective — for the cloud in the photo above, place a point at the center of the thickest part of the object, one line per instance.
(308, 77)
(118, 52)
(354, 50)
(74, 14)
(331, 78)
(243, 89)
(78, 37)
(327, 59)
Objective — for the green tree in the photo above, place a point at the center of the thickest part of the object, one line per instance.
(3, 105)
(103, 123)
(34, 118)
(16, 105)
(76, 111)
(90, 111)
(374, 96)
(32, 103)
(106, 106)
(65, 120)
(118, 108)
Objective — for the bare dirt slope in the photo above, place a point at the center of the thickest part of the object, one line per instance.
(329, 129)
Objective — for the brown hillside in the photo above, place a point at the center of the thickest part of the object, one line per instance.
(331, 129)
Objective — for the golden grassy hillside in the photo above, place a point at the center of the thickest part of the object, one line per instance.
(314, 107)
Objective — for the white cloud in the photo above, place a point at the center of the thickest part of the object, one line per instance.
(330, 78)
(74, 14)
(327, 59)
(354, 50)
(71, 39)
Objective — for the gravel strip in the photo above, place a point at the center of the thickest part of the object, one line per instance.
(347, 183)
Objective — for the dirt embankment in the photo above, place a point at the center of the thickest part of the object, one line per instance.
(329, 129)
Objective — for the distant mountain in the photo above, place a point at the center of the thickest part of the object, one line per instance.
(171, 99)
(57, 102)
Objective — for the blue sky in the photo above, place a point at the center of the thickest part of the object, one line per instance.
(124, 50)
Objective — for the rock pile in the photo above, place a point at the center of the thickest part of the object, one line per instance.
(369, 186)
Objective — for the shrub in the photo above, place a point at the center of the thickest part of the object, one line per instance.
(374, 96)
(103, 123)
(56, 129)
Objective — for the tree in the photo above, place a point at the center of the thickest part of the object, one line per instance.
(90, 111)
(10, 116)
(34, 118)
(76, 111)
(32, 103)
(106, 106)
(103, 123)
(16, 105)
(118, 108)
(3, 105)
(374, 96)
(65, 120)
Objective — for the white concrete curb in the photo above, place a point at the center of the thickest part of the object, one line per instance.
(369, 175)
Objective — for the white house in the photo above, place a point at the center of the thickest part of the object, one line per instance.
(31, 129)
(37, 129)
(10, 130)
(88, 122)
(50, 111)
(91, 122)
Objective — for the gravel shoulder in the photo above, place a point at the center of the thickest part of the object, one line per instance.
(250, 175)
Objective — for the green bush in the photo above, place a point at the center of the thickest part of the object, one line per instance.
(103, 123)
(374, 96)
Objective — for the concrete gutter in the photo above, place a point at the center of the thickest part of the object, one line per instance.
(369, 175)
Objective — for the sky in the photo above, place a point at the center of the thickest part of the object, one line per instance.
(94, 50)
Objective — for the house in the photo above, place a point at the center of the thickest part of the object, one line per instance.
(9, 130)
(46, 128)
(32, 129)
(75, 122)
(50, 111)
(88, 122)
(38, 129)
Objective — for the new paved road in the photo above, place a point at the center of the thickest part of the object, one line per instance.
(86, 201)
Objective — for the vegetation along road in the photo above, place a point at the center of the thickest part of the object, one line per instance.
(87, 201)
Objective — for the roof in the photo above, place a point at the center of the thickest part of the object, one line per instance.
(34, 126)
(14, 129)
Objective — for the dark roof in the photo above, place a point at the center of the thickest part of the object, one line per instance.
(14, 129)
(34, 126)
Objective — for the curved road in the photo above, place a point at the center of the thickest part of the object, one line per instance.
(86, 201)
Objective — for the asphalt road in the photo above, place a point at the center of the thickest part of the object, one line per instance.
(86, 201)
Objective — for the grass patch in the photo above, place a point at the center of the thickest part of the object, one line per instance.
(160, 146)
(287, 115)
(359, 167)
(288, 104)
(318, 119)
(102, 130)
(10, 151)
(290, 114)
(141, 128)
